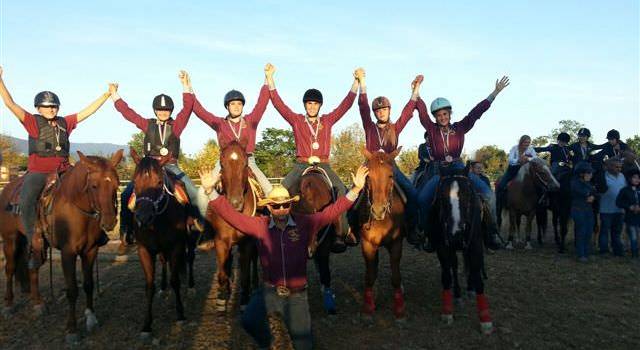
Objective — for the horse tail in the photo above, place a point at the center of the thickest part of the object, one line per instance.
(21, 262)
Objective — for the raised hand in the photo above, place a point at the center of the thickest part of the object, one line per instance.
(360, 177)
(207, 179)
(415, 84)
(269, 69)
(113, 88)
(359, 74)
(0, 72)
(500, 85)
(184, 78)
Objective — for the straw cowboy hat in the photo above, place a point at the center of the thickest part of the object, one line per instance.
(278, 195)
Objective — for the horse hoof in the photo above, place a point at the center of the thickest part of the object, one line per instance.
(528, 246)
(486, 328)
(367, 318)
(181, 323)
(509, 246)
(145, 337)
(71, 338)
(459, 302)
(38, 310)
(401, 321)
(447, 318)
(91, 320)
(221, 305)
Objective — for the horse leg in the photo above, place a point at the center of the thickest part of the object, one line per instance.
(148, 263)
(223, 267)
(175, 264)
(529, 229)
(87, 284)
(512, 228)
(395, 254)
(191, 257)
(370, 254)
(457, 292)
(322, 261)
(69, 270)
(9, 248)
(476, 261)
(444, 255)
(163, 275)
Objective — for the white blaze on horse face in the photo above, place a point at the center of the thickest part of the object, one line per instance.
(234, 156)
(454, 200)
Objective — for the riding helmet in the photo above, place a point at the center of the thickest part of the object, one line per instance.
(613, 134)
(380, 102)
(312, 95)
(233, 95)
(564, 137)
(440, 103)
(46, 99)
(163, 102)
(584, 132)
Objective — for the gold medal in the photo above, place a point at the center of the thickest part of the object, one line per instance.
(58, 148)
(448, 159)
(164, 151)
(315, 145)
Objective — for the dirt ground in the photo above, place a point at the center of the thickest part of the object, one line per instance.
(539, 300)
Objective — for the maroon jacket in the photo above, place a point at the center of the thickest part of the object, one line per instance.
(177, 125)
(301, 130)
(456, 130)
(283, 254)
(373, 133)
(247, 127)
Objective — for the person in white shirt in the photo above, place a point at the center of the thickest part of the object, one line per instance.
(519, 155)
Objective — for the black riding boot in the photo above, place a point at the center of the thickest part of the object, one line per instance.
(103, 239)
(492, 239)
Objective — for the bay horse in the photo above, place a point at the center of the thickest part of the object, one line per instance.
(523, 196)
(234, 175)
(160, 228)
(382, 225)
(316, 193)
(456, 223)
(83, 205)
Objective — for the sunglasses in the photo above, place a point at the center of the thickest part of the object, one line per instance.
(281, 206)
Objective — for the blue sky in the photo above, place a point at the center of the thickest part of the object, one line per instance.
(566, 59)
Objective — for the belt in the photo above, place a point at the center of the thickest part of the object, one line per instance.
(284, 291)
(305, 160)
(562, 163)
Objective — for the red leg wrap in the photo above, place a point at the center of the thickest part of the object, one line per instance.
(483, 308)
(447, 302)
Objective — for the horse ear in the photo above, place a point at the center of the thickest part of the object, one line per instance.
(365, 152)
(117, 157)
(395, 153)
(134, 155)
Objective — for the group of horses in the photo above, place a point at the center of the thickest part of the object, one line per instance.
(84, 204)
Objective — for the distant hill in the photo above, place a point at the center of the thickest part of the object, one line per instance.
(97, 149)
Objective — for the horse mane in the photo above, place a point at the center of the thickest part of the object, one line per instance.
(147, 165)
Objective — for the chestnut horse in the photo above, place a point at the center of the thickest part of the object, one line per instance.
(384, 226)
(456, 223)
(234, 174)
(83, 205)
(160, 228)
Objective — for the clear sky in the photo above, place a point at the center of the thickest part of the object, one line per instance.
(566, 59)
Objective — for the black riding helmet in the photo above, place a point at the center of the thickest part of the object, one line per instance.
(613, 134)
(233, 95)
(584, 132)
(163, 102)
(312, 95)
(46, 99)
(564, 137)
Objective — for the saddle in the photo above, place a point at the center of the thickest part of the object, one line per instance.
(45, 200)
(255, 186)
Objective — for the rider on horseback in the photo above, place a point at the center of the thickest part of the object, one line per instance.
(518, 155)
(238, 127)
(383, 136)
(581, 151)
(613, 148)
(285, 239)
(560, 156)
(48, 153)
(312, 134)
(447, 141)
(161, 138)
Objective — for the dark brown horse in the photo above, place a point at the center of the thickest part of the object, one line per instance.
(237, 189)
(315, 194)
(455, 221)
(84, 204)
(382, 225)
(160, 229)
(524, 192)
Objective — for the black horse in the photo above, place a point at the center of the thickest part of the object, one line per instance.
(456, 225)
(560, 205)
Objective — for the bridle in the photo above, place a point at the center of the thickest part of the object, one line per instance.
(95, 211)
(161, 203)
(387, 206)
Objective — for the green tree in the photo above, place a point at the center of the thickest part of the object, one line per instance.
(206, 157)
(540, 141)
(408, 160)
(634, 143)
(137, 142)
(494, 160)
(276, 152)
(571, 127)
(346, 153)
(10, 157)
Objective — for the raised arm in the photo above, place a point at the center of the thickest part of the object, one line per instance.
(18, 111)
(347, 102)
(187, 104)
(407, 111)
(425, 120)
(128, 113)
(280, 106)
(363, 102)
(93, 107)
(258, 110)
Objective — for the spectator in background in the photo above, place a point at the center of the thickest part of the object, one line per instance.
(583, 194)
(518, 156)
(478, 169)
(629, 200)
(611, 217)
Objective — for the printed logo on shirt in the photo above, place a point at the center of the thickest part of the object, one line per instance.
(293, 235)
